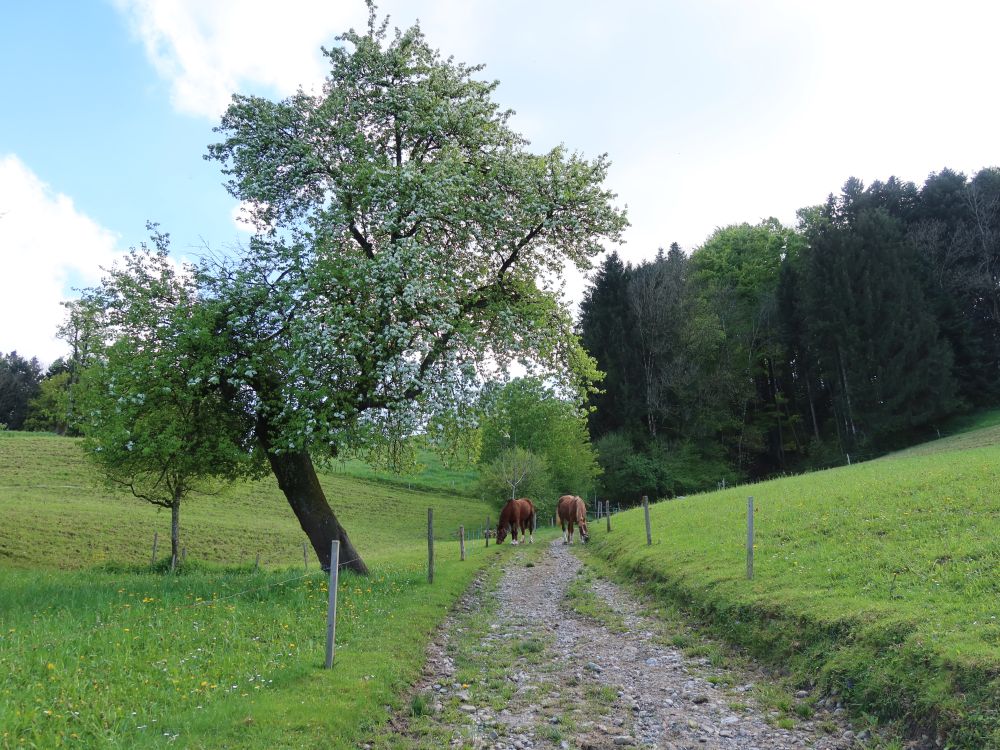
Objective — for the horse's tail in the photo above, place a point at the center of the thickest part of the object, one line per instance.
(558, 518)
(534, 518)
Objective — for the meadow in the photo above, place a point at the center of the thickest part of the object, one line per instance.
(55, 513)
(877, 582)
(99, 648)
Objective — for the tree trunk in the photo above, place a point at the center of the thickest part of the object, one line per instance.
(777, 410)
(812, 405)
(298, 481)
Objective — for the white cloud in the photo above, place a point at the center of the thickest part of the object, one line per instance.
(242, 218)
(46, 245)
(210, 50)
(712, 113)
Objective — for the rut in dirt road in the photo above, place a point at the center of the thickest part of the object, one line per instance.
(541, 676)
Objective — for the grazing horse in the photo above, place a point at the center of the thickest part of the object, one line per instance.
(517, 515)
(572, 508)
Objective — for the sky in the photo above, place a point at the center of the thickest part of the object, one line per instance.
(713, 112)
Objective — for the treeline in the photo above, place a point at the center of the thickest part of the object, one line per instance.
(35, 399)
(771, 349)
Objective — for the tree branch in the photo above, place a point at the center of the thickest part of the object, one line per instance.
(522, 243)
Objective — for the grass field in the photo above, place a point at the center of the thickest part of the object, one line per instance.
(100, 649)
(54, 513)
(880, 582)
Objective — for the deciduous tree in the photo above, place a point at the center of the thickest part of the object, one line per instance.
(154, 422)
(516, 472)
(527, 413)
(407, 242)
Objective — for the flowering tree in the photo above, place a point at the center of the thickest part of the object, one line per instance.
(407, 242)
(154, 424)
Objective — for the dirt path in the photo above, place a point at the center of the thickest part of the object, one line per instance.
(530, 673)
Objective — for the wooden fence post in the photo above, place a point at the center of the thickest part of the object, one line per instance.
(461, 542)
(331, 608)
(430, 545)
(645, 509)
(607, 513)
(256, 565)
(486, 531)
(305, 557)
(184, 554)
(156, 536)
(750, 538)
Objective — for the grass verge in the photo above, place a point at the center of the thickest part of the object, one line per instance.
(877, 583)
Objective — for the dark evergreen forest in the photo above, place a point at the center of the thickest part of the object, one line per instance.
(770, 349)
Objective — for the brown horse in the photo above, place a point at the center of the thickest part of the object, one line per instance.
(572, 508)
(517, 515)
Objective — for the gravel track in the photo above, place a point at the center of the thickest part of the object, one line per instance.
(583, 682)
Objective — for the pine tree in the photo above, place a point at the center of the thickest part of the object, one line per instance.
(876, 341)
(607, 332)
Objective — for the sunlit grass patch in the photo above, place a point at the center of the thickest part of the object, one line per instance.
(55, 513)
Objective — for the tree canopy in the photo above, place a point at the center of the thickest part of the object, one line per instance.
(408, 242)
(527, 415)
(19, 383)
(154, 422)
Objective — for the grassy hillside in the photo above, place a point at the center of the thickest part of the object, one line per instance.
(878, 581)
(430, 474)
(974, 431)
(98, 649)
(54, 513)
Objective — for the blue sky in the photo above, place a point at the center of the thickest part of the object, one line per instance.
(713, 112)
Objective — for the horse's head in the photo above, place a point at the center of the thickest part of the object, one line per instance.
(581, 519)
(502, 532)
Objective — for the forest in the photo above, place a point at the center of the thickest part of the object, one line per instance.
(771, 350)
